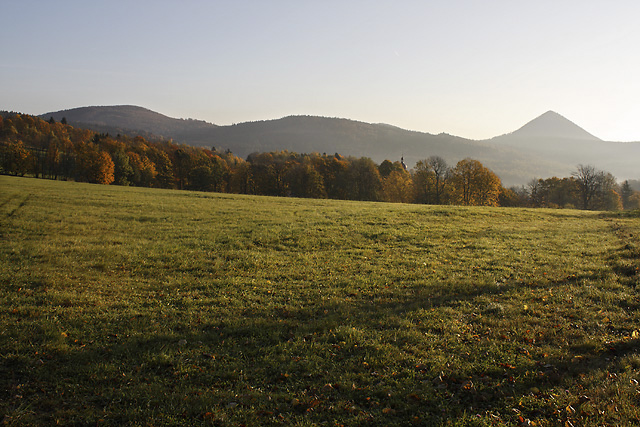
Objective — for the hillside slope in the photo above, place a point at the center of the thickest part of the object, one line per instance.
(551, 136)
(129, 119)
(548, 145)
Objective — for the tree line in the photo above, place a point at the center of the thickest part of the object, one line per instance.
(55, 150)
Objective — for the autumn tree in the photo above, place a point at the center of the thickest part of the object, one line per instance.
(364, 180)
(144, 170)
(67, 158)
(595, 187)
(634, 201)
(387, 166)
(431, 177)
(52, 157)
(268, 171)
(94, 165)
(334, 170)
(607, 196)
(241, 179)
(303, 180)
(473, 184)
(264, 174)
(512, 197)
(397, 187)
(15, 158)
(535, 192)
(440, 172)
(164, 168)
(554, 192)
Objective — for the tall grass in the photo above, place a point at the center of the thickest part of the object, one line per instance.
(157, 307)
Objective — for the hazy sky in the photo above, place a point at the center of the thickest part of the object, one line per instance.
(474, 68)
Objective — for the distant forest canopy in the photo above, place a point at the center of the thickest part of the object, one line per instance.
(55, 150)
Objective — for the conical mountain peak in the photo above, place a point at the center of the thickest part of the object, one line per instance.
(552, 124)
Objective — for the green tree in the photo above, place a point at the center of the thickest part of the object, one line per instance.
(334, 171)
(182, 163)
(364, 180)
(303, 180)
(201, 178)
(625, 194)
(122, 167)
(386, 167)
(164, 168)
(241, 179)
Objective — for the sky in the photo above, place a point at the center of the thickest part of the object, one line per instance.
(470, 68)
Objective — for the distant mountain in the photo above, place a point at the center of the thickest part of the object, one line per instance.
(552, 125)
(548, 145)
(556, 139)
(129, 119)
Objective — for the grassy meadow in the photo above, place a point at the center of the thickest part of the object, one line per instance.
(154, 307)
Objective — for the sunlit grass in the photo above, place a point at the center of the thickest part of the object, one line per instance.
(155, 307)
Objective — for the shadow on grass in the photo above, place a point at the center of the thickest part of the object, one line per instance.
(382, 358)
(625, 261)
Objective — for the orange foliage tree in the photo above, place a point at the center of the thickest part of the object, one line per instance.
(94, 165)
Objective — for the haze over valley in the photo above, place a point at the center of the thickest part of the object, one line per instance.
(548, 145)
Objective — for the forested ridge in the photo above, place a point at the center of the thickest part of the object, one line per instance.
(55, 150)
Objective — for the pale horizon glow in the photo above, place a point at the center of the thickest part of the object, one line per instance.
(467, 68)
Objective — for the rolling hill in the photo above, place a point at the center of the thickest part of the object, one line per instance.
(129, 119)
(546, 146)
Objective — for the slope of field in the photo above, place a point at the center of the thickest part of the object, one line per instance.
(153, 307)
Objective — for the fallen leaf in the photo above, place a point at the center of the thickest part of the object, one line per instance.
(583, 399)
(327, 388)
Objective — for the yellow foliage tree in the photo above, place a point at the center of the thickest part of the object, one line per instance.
(15, 158)
(397, 187)
(474, 185)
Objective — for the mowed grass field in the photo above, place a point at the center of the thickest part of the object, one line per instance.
(154, 307)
